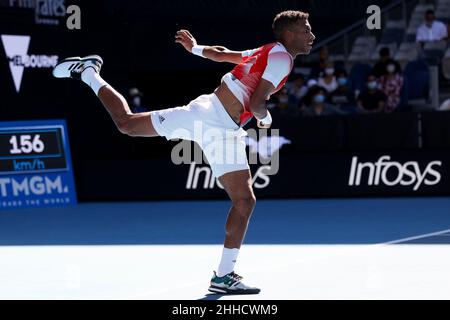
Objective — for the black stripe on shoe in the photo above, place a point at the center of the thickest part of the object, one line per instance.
(222, 290)
(94, 57)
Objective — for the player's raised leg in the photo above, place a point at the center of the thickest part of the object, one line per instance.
(87, 69)
(135, 125)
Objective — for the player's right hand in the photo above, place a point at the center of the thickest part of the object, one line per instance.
(262, 125)
(185, 38)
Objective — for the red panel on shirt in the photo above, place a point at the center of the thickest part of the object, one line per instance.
(249, 72)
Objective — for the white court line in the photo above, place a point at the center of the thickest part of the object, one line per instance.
(426, 235)
(358, 247)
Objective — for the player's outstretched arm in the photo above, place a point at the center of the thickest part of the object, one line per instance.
(215, 53)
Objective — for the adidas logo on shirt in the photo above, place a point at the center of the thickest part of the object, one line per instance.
(161, 119)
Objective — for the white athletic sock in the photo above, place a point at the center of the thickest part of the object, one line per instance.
(228, 261)
(93, 80)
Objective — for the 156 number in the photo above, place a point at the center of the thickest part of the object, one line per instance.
(26, 144)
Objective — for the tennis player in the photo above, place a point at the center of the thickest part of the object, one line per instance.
(241, 95)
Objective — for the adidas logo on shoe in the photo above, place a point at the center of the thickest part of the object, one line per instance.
(161, 119)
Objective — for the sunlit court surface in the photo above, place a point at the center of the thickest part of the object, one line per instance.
(196, 154)
(311, 249)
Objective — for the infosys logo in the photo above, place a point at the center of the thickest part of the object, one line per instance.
(199, 174)
(16, 49)
(393, 173)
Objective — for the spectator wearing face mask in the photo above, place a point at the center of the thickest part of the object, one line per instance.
(136, 101)
(328, 79)
(283, 104)
(379, 69)
(431, 29)
(304, 101)
(343, 97)
(391, 84)
(316, 105)
(372, 99)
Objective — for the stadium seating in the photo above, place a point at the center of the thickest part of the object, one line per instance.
(416, 82)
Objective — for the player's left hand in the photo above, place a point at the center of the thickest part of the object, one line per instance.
(185, 38)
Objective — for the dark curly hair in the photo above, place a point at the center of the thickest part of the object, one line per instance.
(286, 19)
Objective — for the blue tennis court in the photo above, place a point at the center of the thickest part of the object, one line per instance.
(352, 221)
(336, 249)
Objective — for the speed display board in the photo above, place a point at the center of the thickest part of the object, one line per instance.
(35, 164)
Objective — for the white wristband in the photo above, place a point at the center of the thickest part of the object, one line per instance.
(267, 119)
(198, 50)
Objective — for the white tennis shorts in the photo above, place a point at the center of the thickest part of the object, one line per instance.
(205, 121)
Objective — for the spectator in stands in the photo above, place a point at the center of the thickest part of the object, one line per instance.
(431, 29)
(379, 69)
(305, 100)
(372, 99)
(316, 105)
(343, 97)
(283, 103)
(136, 101)
(318, 68)
(391, 84)
(297, 90)
(283, 98)
(328, 80)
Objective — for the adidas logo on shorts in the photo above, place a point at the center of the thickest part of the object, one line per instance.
(161, 119)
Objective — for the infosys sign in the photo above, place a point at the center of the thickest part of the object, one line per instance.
(388, 172)
(407, 173)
